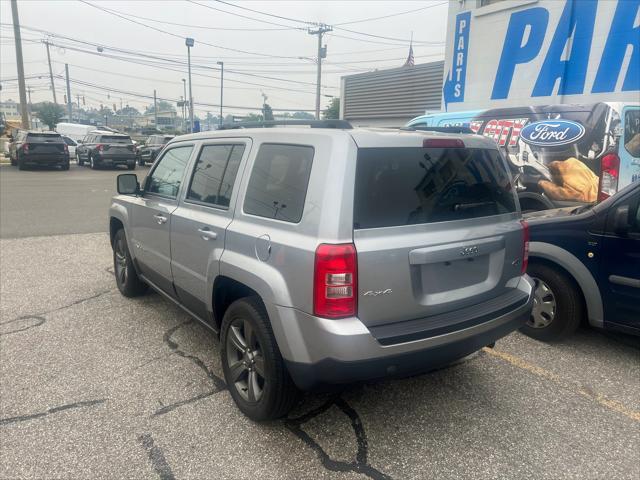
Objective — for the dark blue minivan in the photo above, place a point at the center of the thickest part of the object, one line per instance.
(585, 262)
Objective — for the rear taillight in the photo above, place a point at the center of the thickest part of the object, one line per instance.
(335, 283)
(525, 246)
(609, 176)
(25, 148)
(66, 148)
(442, 143)
(100, 147)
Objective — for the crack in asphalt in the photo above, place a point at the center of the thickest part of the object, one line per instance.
(156, 457)
(41, 315)
(218, 384)
(61, 408)
(361, 463)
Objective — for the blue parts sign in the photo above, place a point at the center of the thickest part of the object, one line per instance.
(551, 133)
(454, 85)
(537, 52)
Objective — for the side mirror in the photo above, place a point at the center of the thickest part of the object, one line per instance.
(128, 184)
(621, 220)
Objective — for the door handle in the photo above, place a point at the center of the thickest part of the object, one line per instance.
(160, 219)
(207, 234)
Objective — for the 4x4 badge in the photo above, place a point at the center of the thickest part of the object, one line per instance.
(375, 293)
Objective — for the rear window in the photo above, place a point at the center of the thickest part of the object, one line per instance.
(114, 139)
(410, 186)
(278, 184)
(44, 137)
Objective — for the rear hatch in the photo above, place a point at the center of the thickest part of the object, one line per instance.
(45, 143)
(436, 230)
(117, 145)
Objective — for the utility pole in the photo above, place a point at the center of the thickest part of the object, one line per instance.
(21, 86)
(322, 53)
(221, 91)
(184, 106)
(29, 93)
(69, 100)
(189, 42)
(155, 109)
(53, 87)
(264, 106)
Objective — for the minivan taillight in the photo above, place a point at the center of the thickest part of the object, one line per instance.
(335, 282)
(608, 176)
(25, 148)
(525, 246)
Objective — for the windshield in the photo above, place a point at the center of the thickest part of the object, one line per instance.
(44, 137)
(115, 139)
(408, 186)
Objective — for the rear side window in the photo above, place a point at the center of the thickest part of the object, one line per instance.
(409, 186)
(278, 184)
(166, 177)
(44, 137)
(215, 173)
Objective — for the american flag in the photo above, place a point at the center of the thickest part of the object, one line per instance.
(410, 61)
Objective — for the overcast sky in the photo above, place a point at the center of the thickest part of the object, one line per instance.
(251, 45)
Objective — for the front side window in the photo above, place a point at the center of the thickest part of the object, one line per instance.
(278, 184)
(409, 186)
(632, 132)
(215, 173)
(167, 175)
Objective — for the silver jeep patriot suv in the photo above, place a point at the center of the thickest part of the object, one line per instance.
(327, 255)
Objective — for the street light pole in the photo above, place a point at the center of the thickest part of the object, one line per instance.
(221, 91)
(189, 42)
(184, 107)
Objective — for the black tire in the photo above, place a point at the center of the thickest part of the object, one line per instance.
(127, 278)
(553, 284)
(64, 166)
(79, 160)
(92, 163)
(141, 162)
(278, 393)
(20, 162)
(131, 166)
(13, 161)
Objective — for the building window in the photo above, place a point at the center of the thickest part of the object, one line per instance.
(484, 3)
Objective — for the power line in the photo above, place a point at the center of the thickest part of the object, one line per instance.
(390, 15)
(296, 20)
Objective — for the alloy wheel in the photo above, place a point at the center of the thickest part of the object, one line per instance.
(245, 360)
(121, 269)
(544, 305)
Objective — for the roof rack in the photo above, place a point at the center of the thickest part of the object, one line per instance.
(424, 128)
(339, 124)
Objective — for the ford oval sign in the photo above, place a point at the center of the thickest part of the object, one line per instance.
(550, 133)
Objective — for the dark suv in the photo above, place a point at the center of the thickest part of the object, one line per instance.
(152, 147)
(46, 149)
(107, 149)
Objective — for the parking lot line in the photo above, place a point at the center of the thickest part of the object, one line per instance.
(599, 398)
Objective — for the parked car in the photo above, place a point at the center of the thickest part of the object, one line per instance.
(71, 146)
(107, 149)
(585, 263)
(152, 147)
(44, 149)
(327, 255)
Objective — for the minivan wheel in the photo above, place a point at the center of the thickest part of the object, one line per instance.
(557, 305)
(127, 278)
(253, 367)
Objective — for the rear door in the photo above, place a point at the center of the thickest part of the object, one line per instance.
(436, 230)
(199, 224)
(151, 216)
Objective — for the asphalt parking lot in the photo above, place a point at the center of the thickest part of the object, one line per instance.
(95, 385)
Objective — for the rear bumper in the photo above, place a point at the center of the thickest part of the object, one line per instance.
(320, 351)
(116, 159)
(45, 159)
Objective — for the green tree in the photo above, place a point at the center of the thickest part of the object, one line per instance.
(333, 110)
(163, 106)
(50, 113)
(302, 116)
(267, 112)
(128, 111)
